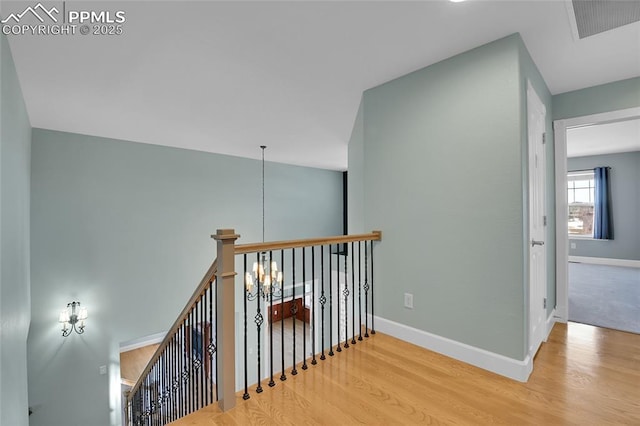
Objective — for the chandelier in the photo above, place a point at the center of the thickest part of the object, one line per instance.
(72, 318)
(265, 278)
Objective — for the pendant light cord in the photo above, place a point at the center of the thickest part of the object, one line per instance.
(263, 147)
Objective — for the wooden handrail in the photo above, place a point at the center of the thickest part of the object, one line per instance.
(280, 245)
(209, 277)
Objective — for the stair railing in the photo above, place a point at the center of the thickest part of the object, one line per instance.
(195, 365)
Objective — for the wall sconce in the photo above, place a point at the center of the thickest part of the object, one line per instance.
(72, 318)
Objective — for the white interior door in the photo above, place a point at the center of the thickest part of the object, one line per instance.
(536, 114)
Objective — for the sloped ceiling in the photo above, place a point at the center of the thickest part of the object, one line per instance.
(227, 77)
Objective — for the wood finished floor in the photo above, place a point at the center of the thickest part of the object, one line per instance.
(583, 376)
(288, 342)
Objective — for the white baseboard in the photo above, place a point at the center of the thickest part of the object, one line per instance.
(551, 321)
(496, 363)
(605, 261)
(142, 342)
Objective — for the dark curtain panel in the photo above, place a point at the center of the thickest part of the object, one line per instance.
(602, 226)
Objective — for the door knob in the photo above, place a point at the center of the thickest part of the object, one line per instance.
(536, 243)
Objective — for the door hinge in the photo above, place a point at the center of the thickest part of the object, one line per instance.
(544, 220)
(544, 303)
(544, 138)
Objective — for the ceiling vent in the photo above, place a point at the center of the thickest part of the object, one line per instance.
(597, 16)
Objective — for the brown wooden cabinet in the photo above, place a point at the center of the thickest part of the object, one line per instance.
(279, 311)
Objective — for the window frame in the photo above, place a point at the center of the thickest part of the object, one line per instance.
(580, 175)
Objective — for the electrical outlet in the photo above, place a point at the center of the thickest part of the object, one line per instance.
(103, 370)
(408, 300)
(573, 245)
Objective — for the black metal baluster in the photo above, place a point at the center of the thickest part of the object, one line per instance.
(159, 399)
(195, 331)
(274, 280)
(149, 407)
(192, 375)
(133, 409)
(167, 384)
(152, 398)
(162, 400)
(313, 305)
(373, 327)
(195, 353)
(339, 349)
(154, 395)
(178, 371)
(172, 396)
(366, 291)
(259, 319)
(185, 368)
(187, 363)
(179, 348)
(212, 347)
(146, 406)
(143, 401)
(215, 339)
(181, 381)
(163, 396)
(205, 347)
(283, 376)
(323, 300)
(330, 303)
(159, 392)
(345, 293)
(359, 290)
(203, 364)
(206, 329)
(172, 375)
(294, 307)
(158, 395)
(353, 295)
(140, 413)
(304, 312)
(152, 403)
(147, 400)
(245, 396)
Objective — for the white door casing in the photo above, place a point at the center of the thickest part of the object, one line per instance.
(562, 241)
(536, 117)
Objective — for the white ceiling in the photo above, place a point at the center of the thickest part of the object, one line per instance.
(609, 138)
(227, 77)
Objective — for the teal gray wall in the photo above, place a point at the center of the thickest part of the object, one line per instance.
(15, 171)
(125, 229)
(443, 174)
(625, 199)
(594, 100)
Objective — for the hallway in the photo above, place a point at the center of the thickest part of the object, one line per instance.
(583, 375)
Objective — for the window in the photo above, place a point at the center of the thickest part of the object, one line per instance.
(580, 196)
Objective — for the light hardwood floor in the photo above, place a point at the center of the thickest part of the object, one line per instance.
(288, 343)
(583, 376)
